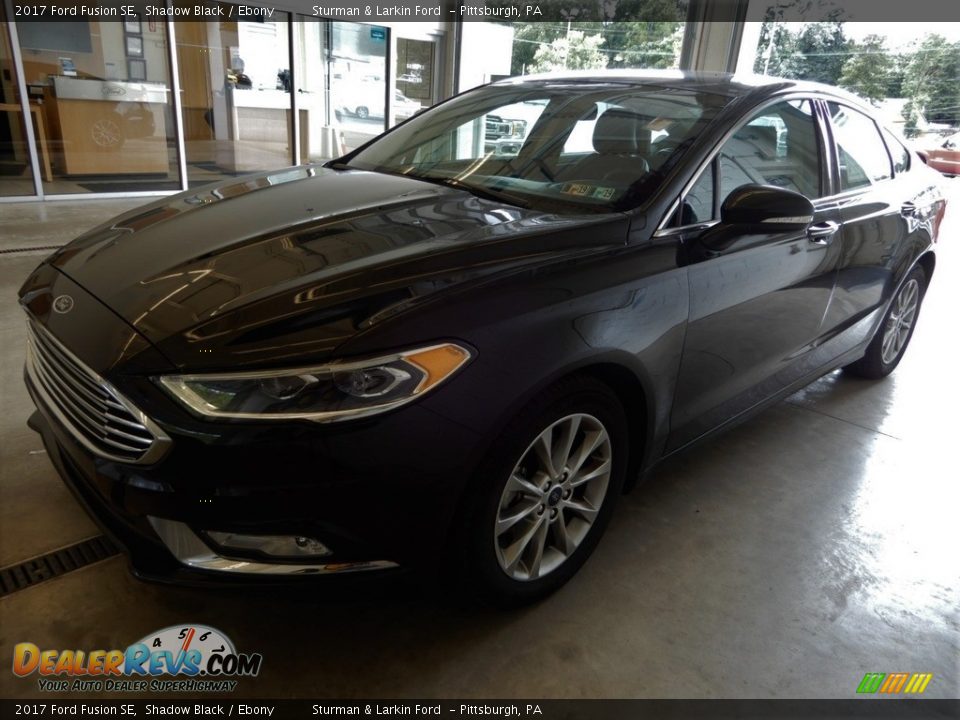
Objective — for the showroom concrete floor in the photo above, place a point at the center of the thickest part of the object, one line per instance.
(786, 558)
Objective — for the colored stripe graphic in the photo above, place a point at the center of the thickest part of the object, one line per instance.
(871, 682)
(893, 683)
(918, 683)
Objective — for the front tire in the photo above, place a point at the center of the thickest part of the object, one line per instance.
(890, 342)
(545, 496)
(362, 112)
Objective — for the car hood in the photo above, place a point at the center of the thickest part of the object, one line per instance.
(291, 264)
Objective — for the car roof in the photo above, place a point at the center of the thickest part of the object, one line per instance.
(720, 83)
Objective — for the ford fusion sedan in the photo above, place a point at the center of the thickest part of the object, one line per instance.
(428, 354)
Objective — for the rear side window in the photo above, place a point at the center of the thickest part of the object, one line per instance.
(899, 154)
(862, 152)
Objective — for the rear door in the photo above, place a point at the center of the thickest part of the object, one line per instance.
(875, 189)
(756, 307)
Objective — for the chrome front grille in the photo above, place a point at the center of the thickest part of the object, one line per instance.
(98, 416)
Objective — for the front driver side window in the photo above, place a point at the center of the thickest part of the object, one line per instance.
(778, 146)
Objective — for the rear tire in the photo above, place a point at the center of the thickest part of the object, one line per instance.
(362, 112)
(545, 495)
(893, 335)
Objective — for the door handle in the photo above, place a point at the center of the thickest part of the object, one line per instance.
(822, 233)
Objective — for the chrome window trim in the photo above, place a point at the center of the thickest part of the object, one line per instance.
(670, 232)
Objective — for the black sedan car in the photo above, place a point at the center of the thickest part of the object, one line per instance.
(426, 353)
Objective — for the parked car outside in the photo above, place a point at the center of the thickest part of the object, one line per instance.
(422, 355)
(946, 157)
(365, 100)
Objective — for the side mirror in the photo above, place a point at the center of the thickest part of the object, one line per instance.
(768, 208)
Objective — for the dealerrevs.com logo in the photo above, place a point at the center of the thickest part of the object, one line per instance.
(204, 655)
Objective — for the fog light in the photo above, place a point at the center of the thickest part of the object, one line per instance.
(288, 546)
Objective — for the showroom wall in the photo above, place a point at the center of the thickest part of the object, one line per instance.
(158, 106)
(113, 111)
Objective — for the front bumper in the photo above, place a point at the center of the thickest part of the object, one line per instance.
(376, 492)
(372, 515)
(160, 528)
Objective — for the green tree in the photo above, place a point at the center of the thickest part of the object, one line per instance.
(636, 33)
(867, 71)
(931, 82)
(530, 37)
(643, 44)
(575, 51)
(819, 52)
(777, 44)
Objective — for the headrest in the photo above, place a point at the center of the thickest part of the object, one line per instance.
(618, 132)
(762, 137)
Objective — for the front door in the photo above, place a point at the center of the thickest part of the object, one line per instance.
(757, 303)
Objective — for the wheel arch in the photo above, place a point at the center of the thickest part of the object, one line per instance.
(626, 376)
(928, 261)
(627, 386)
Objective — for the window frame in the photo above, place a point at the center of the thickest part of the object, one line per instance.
(826, 158)
(888, 137)
(835, 146)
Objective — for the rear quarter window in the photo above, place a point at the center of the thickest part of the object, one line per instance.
(863, 154)
(899, 154)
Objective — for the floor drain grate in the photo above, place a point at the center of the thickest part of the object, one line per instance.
(14, 578)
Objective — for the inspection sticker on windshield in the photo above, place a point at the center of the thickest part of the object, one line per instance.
(585, 190)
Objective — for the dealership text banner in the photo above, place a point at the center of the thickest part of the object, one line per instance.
(479, 10)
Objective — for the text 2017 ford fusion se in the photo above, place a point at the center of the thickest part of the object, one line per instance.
(429, 354)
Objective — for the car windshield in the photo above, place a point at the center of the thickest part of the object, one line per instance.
(560, 146)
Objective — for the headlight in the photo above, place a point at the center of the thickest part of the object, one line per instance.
(328, 393)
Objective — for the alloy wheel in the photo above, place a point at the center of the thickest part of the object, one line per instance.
(900, 321)
(553, 497)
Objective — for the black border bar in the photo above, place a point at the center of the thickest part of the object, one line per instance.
(874, 708)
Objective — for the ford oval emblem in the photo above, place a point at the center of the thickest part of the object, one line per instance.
(63, 304)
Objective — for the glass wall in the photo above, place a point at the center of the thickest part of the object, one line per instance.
(416, 84)
(635, 36)
(105, 120)
(104, 115)
(357, 66)
(16, 174)
(341, 79)
(908, 71)
(235, 92)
